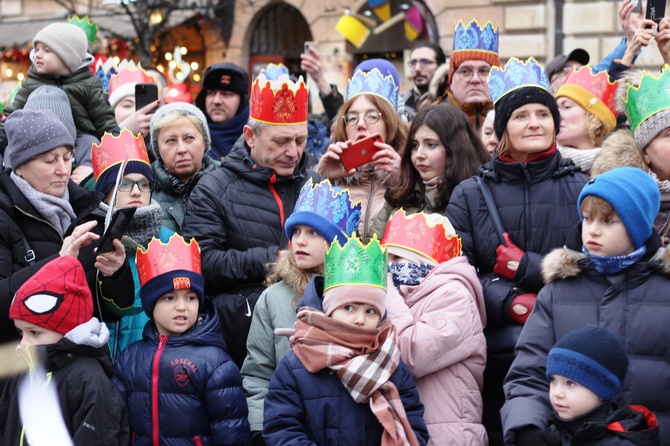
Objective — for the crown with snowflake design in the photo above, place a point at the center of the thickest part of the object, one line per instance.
(355, 264)
(475, 37)
(105, 70)
(514, 75)
(273, 71)
(647, 99)
(373, 82)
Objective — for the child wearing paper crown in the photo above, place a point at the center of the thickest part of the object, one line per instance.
(179, 383)
(344, 381)
(435, 302)
(53, 312)
(323, 213)
(586, 369)
(615, 277)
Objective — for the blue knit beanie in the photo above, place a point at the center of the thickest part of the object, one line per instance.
(593, 357)
(164, 283)
(108, 177)
(634, 196)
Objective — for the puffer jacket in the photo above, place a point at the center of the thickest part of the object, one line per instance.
(633, 304)
(440, 325)
(237, 215)
(19, 219)
(90, 109)
(183, 390)
(173, 202)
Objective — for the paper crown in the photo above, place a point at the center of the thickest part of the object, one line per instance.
(375, 83)
(90, 28)
(593, 92)
(647, 99)
(474, 37)
(514, 75)
(129, 74)
(355, 264)
(416, 234)
(278, 101)
(113, 149)
(160, 258)
(273, 71)
(105, 70)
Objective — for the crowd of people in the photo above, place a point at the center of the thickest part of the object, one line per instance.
(490, 268)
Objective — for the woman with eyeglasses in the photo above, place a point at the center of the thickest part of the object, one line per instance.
(180, 139)
(44, 214)
(370, 107)
(134, 190)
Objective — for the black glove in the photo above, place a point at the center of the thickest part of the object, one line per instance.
(257, 439)
(534, 436)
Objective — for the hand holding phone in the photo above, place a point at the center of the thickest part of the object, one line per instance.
(360, 152)
(638, 6)
(145, 94)
(655, 10)
(116, 228)
(311, 44)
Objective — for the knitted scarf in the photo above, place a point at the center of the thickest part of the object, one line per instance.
(56, 210)
(145, 224)
(364, 360)
(411, 274)
(224, 135)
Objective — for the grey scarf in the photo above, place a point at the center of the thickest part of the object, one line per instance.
(56, 210)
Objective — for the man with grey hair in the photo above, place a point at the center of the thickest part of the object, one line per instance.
(237, 212)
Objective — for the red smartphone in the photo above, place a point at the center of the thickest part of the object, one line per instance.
(360, 152)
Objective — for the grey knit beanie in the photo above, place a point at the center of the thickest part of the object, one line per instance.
(651, 127)
(31, 133)
(178, 108)
(53, 99)
(68, 41)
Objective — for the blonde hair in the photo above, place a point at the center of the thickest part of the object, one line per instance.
(596, 129)
(286, 269)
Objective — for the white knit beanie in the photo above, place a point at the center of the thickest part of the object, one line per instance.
(68, 41)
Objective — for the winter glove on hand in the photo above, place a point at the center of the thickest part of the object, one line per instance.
(534, 436)
(521, 307)
(506, 253)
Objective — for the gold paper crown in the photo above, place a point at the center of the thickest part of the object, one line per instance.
(279, 101)
(113, 149)
(355, 264)
(160, 258)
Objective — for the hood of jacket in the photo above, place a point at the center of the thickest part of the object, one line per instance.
(313, 296)
(163, 178)
(619, 149)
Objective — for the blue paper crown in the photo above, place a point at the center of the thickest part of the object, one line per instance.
(273, 71)
(327, 209)
(375, 83)
(105, 70)
(516, 74)
(475, 38)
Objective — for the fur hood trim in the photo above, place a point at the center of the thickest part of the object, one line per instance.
(619, 149)
(631, 77)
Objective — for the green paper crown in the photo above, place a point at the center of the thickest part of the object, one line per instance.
(647, 99)
(90, 28)
(355, 264)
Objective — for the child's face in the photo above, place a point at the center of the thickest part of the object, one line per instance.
(124, 108)
(605, 236)
(392, 258)
(569, 399)
(357, 314)
(48, 62)
(308, 246)
(176, 312)
(32, 334)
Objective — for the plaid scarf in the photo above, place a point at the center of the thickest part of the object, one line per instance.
(364, 360)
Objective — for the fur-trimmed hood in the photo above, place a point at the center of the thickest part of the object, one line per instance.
(618, 150)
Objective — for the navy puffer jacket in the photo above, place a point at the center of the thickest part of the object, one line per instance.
(183, 390)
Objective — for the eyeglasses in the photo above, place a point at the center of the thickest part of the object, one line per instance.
(142, 185)
(467, 73)
(371, 117)
(423, 62)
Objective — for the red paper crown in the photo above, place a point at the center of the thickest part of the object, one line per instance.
(597, 88)
(112, 151)
(129, 74)
(160, 258)
(416, 234)
(279, 101)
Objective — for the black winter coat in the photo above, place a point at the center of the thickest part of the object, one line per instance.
(19, 219)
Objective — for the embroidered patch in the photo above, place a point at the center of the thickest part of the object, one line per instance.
(181, 283)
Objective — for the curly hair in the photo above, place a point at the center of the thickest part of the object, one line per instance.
(286, 269)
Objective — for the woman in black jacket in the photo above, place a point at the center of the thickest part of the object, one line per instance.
(44, 215)
(534, 192)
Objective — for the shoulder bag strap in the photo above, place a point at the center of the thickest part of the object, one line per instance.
(491, 206)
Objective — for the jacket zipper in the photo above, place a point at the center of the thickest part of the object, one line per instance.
(366, 221)
(526, 205)
(280, 205)
(155, 440)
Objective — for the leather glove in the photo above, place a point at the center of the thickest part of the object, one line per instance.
(534, 436)
(505, 253)
(521, 307)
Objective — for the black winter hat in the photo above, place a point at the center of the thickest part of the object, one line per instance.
(593, 357)
(506, 105)
(224, 76)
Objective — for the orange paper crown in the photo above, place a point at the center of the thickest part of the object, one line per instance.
(417, 234)
(593, 92)
(112, 151)
(160, 258)
(128, 74)
(279, 101)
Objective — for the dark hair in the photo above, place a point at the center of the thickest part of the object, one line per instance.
(464, 149)
(440, 57)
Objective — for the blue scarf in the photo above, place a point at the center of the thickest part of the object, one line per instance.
(225, 135)
(615, 264)
(411, 274)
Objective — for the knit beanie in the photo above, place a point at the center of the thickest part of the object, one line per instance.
(56, 297)
(167, 282)
(224, 76)
(68, 41)
(108, 177)
(31, 133)
(335, 297)
(633, 194)
(592, 357)
(458, 57)
(506, 105)
(183, 109)
(55, 100)
(652, 126)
